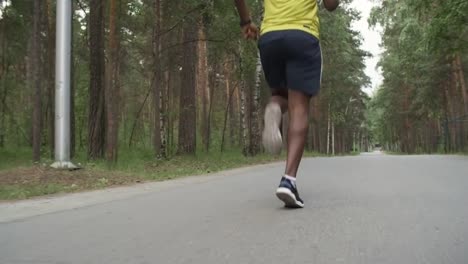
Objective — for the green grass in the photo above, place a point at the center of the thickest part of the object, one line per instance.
(15, 192)
(14, 157)
(143, 163)
(134, 165)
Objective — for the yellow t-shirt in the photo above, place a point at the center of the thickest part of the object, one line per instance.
(291, 14)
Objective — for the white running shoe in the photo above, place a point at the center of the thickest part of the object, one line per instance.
(272, 140)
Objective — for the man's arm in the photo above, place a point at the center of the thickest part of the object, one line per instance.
(243, 11)
(249, 30)
(330, 5)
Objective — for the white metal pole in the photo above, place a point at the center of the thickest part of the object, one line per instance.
(62, 86)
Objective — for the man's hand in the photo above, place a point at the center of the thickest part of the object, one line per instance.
(250, 31)
(331, 5)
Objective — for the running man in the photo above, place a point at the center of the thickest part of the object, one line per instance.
(292, 62)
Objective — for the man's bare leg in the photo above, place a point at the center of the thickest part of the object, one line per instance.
(298, 106)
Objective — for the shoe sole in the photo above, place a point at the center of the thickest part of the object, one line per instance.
(271, 138)
(289, 199)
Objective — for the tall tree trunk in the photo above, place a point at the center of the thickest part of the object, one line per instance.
(343, 145)
(188, 116)
(72, 106)
(460, 104)
(243, 117)
(255, 109)
(97, 104)
(174, 88)
(447, 132)
(3, 76)
(170, 106)
(229, 95)
(233, 124)
(464, 92)
(163, 114)
(212, 85)
(50, 109)
(159, 128)
(112, 82)
(157, 76)
(408, 126)
(453, 111)
(333, 138)
(462, 82)
(36, 82)
(203, 89)
(3, 115)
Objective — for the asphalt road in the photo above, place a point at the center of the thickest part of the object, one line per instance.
(366, 209)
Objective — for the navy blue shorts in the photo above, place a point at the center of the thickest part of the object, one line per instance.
(291, 59)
